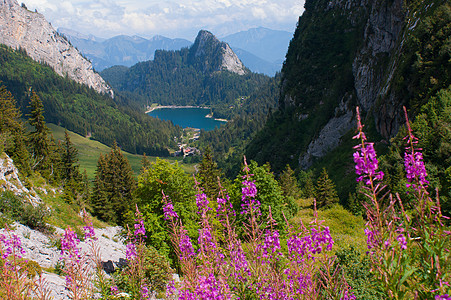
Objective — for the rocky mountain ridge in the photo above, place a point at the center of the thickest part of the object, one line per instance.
(21, 28)
(262, 50)
(214, 55)
(120, 50)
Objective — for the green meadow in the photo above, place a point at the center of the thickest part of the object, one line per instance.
(90, 150)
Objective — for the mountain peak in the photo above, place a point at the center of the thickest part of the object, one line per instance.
(213, 55)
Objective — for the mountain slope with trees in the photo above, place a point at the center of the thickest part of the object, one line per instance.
(379, 55)
(207, 73)
(83, 110)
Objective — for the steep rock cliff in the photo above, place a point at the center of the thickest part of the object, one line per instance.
(213, 55)
(348, 53)
(21, 28)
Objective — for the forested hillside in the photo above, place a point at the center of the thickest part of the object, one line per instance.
(183, 77)
(82, 110)
(380, 56)
(248, 117)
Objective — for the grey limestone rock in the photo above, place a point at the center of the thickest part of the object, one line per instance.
(21, 28)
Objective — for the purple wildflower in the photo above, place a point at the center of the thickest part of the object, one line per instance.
(12, 245)
(171, 290)
(89, 231)
(186, 247)
(348, 295)
(114, 289)
(402, 241)
(69, 244)
(145, 292)
(249, 191)
(371, 239)
(130, 252)
(206, 239)
(365, 158)
(139, 228)
(239, 261)
(443, 297)
(210, 289)
(315, 243)
(202, 202)
(413, 159)
(271, 244)
(139, 225)
(168, 209)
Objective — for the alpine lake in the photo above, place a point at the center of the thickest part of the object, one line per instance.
(194, 117)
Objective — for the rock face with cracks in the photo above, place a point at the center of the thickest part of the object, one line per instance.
(41, 249)
(9, 180)
(21, 28)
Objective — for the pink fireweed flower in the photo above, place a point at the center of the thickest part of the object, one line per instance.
(139, 228)
(168, 209)
(88, 228)
(69, 244)
(11, 245)
(249, 192)
(202, 202)
(145, 292)
(114, 289)
(365, 158)
(348, 295)
(89, 231)
(239, 262)
(413, 160)
(271, 245)
(139, 225)
(315, 243)
(402, 241)
(130, 251)
(415, 168)
(209, 288)
(371, 239)
(185, 245)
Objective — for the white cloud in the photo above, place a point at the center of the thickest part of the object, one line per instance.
(173, 18)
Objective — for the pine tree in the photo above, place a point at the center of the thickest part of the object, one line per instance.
(114, 184)
(325, 192)
(39, 138)
(12, 132)
(69, 159)
(209, 174)
(145, 162)
(289, 184)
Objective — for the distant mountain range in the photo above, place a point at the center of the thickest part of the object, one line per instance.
(262, 50)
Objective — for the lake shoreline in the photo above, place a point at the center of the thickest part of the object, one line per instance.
(149, 110)
(210, 116)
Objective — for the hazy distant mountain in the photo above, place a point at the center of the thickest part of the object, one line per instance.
(120, 50)
(262, 50)
(257, 64)
(267, 44)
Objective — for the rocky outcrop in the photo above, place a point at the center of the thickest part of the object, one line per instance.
(41, 249)
(9, 180)
(376, 27)
(372, 73)
(214, 55)
(21, 28)
(329, 137)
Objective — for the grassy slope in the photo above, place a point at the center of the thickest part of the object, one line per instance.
(89, 151)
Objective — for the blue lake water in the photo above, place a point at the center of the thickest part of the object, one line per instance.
(187, 117)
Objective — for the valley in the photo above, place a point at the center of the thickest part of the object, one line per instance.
(261, 164)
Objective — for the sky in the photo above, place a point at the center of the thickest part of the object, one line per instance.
(170, 18)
